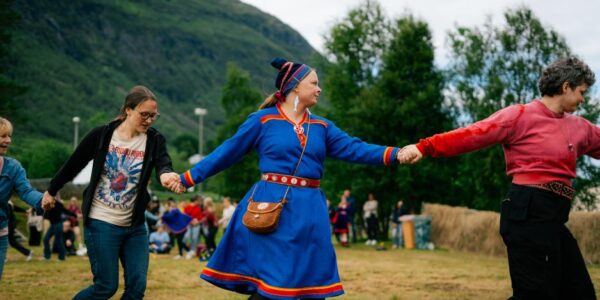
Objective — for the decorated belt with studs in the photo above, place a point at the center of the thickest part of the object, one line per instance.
(291, 180)
(558, 188)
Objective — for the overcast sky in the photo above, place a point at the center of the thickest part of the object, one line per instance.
(576, 20)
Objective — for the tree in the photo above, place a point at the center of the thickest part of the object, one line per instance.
(355, 45)
(491, 68)
(239, 99)
(42, 158)
(399, 92)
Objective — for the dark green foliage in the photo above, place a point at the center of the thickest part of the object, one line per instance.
(397, 100)
(80, 58)
(9, 89)
(239, 99)
(41, 158)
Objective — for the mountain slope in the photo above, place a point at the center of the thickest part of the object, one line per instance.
(81, 57)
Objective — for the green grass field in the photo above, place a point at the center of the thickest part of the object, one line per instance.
(366, 274)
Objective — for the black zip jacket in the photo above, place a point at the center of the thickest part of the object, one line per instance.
(95, 146)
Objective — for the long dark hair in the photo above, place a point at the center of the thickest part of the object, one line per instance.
(136, 95)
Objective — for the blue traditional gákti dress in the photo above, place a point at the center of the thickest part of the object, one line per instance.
(297, 260)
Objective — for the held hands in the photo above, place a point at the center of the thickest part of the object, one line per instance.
(172, 182)
(409, 155)
(48, 201)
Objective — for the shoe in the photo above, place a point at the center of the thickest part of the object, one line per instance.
(177, 257)
(82, 251)
(368, 242)
(30, 256)
(394, 246)
(190, 254)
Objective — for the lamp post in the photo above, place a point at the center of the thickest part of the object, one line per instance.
(76, 131)
(200, 112)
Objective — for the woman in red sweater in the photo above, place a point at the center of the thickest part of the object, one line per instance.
(542, 141)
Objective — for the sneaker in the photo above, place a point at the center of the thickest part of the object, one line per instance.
(190, 254)
(82, 251)
(368, 242)
(394, 246)
(177, 257)
(30, 256)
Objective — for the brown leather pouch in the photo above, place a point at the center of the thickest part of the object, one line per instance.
(262, 217)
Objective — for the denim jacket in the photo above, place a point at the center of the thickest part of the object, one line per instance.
(14, 178)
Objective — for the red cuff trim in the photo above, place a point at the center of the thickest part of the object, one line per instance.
(187, 179)
(387, 155)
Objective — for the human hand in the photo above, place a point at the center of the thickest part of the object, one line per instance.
(409, 154)
(166, 179)
(172, 182)
(48, 201)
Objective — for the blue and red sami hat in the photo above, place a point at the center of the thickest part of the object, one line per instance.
(290, 74)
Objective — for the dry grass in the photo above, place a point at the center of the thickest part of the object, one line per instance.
(366, 274)
(585, 226)
(465, 229)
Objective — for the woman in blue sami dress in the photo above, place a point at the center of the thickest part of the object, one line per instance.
(297, 260)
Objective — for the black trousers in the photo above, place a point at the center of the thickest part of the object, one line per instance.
(12, 240)
(543, 257)
(35, 236)
(372, 227)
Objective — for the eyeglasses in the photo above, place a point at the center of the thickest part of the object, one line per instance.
(147, 115)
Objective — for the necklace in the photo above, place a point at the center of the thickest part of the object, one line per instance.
(567, 135)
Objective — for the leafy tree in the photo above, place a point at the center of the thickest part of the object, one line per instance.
(398, 101)
(491, 68)
(239, 99)
(355, 45)
(186, 144)
(42, 158)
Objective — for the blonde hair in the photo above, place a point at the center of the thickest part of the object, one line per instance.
(5, 125)
(270, 101)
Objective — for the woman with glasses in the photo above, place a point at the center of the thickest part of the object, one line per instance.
(124, 151)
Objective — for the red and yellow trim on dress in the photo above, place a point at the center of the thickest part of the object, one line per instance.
(272, 290)
(320, 122)
(267, 118)
(387, 156)
(188, 179)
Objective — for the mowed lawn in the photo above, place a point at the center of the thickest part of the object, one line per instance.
(366, 274)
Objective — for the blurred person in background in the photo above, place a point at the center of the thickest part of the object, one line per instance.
(370, 217)
(228, 210)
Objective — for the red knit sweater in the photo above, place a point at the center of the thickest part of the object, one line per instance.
(539, 145)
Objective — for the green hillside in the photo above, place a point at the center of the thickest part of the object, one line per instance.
(79, 58)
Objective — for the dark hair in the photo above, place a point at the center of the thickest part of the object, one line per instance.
(568, 69)
(136, 95)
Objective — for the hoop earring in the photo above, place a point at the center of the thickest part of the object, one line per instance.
(296, 101)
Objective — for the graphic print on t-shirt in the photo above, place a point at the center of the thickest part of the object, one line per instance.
(122, 170)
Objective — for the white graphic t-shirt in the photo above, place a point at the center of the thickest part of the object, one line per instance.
(117, 189)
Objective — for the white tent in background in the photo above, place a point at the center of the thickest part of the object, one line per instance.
(84, 176)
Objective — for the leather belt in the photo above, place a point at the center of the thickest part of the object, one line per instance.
(556, 187)
(291, 180)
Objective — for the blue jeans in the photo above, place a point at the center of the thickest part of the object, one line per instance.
(353, 228)
(107, 244)
(3, 250)
(194, 232)
(398, 237)
(55, 230)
